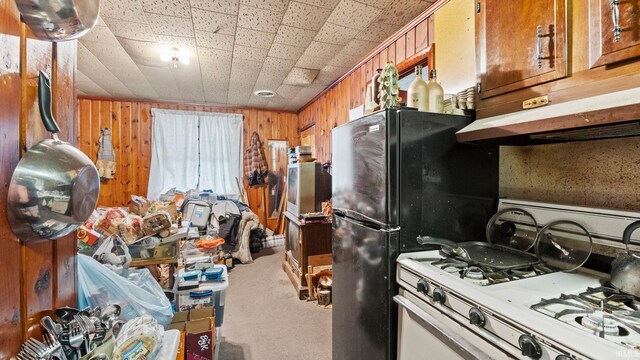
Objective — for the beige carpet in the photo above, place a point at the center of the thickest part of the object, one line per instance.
(263, 318)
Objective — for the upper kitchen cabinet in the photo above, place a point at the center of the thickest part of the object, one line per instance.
(615, 31)
(520, 43)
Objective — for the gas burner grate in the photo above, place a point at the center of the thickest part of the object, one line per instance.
(486, 275)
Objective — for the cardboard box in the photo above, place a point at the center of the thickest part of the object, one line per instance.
(200, 334)
(180, 317)
(139, 205)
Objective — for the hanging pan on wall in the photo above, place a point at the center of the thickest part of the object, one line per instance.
(59, 20)
(55, 186)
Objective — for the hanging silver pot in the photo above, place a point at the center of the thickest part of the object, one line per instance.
(625, 269)
(55, 186)
(59, 20)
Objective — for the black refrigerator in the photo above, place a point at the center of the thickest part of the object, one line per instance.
(397, 173)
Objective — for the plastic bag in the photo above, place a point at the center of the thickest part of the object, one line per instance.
(138, 293)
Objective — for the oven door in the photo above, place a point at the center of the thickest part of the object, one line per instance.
(426, 333)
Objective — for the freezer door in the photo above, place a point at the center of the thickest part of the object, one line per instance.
(360, 167)
(364, 314)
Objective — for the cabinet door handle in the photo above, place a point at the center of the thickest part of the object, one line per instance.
(539, 35)
(615, 11)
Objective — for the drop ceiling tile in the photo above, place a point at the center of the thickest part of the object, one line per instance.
(253, 38)
(214, 41)
(383, 4)
(294, 36)
(335, 34)
(216, 96)
(179, 8)
(310, 62)
(183, 43)
(215, 58)
(266, 83)
(100, 34)
(259, 102)
(220, 6)
(322, 50)
(214, 22)
(249, 53)
(130, 30)
(301, 76)
(344, 60)
(327, 4)
(403, 11)
(377, 32)
(88, 86)
(289, 91)
(273, 5)
(283, 51)
(101, 22)
(277, 67)
(123, 10)
(359, 47)
(169, 25)
(353, 14)
(305, 16)
(329, 74)
(259, 19)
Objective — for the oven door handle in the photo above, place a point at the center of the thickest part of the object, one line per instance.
(434, 326)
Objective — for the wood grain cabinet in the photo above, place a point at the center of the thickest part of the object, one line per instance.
(520, 43)
(614, 28)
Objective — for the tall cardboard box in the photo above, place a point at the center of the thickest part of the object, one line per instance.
(200, 334)
(179, 323)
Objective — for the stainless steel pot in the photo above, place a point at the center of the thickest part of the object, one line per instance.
(55, 186)
(625, 269)
(59, 20)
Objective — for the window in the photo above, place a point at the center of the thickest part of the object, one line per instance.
(195, 150)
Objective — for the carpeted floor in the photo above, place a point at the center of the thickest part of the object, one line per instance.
(263, 318)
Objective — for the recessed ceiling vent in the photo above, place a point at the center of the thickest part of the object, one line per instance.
(265, 93)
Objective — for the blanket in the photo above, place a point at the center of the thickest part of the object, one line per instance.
(248, 222)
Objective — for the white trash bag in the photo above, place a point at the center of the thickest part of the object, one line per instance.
(136, 291)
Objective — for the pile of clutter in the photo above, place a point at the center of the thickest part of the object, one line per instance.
(96, 334)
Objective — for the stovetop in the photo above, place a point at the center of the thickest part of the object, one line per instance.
(602, 311)
(487, 275)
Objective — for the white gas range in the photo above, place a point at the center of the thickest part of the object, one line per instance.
(448, 311)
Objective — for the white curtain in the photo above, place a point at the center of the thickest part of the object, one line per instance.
(195, 150)
(221, 153)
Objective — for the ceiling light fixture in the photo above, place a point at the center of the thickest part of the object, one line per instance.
(175, 56)
(264, 93)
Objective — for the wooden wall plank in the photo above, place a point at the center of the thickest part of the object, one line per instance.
(10, 257)
(401, 45)
(410, 48)
(422, 35)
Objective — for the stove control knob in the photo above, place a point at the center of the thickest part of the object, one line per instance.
(423, 286)
(439, 295)
(530, 347)
(476, 317)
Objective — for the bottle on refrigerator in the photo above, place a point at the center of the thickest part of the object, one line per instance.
(436, 94)
(417, 94)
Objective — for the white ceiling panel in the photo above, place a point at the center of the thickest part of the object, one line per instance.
(353, 14)
(254, 38)
(259, 19)
(335, 34)
(130, 30)
(123, 10)
(235, 47)
(214, 40)
(273, 5)
(284, 51)
(294, 36)
(220, 6)
(214, 22)
(179, 8)
(171, 25)
(305, 16)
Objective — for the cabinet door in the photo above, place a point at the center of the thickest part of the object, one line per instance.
(520, 43)
(615, 31)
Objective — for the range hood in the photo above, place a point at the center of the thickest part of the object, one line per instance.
(610, 115)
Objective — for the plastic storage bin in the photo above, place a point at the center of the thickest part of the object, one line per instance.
(208, 293)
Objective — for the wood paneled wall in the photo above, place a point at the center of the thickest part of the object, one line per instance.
(41, 275)
(332, 107)
(130, 122)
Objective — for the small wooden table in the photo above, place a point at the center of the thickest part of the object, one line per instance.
(302, 241)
